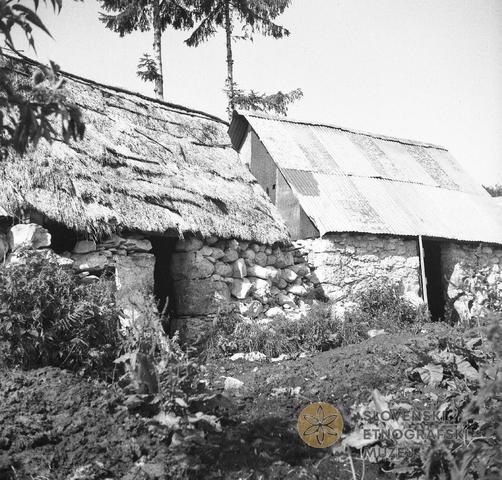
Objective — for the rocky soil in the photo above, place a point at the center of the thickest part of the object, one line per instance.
(58, 425)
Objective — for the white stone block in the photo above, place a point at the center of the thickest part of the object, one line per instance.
(241, 288)
(28, 235)
(84, 246)
(239, 268)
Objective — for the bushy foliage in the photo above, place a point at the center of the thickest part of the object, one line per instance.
(47, 317)
(484, 416)
(277, 103)
(381, 306)
(317, 331)
(481, 420)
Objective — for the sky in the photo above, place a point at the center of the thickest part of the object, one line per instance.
(428, 70)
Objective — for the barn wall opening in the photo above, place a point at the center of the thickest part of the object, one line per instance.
(163, 248)
(434, 285)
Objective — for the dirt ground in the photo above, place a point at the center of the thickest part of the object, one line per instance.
(57, 425)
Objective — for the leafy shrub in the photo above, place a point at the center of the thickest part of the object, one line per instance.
(381, 307)
(316, 331)
(47, 317)
(481, 457)
(154, 362)
(478, 289)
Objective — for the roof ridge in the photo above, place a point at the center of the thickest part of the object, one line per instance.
(73, 76)
(404, 141)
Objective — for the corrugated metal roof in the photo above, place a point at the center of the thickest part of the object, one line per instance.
(350, 181)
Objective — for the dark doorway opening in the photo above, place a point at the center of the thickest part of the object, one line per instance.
(163, 248)
(433, 278)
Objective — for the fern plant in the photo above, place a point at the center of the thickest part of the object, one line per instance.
(47, 317)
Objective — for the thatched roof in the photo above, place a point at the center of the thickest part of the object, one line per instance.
(144, 165)
(349, 181)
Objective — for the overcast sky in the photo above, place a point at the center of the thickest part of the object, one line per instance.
(429, 70)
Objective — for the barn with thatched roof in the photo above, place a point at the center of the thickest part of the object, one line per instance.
(152, 186)
(369, 205)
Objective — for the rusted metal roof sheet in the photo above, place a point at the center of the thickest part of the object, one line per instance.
(359, 182)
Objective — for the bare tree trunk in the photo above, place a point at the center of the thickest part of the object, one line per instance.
(230, 60)
(157, 51)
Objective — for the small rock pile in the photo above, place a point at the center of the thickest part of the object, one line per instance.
(26, 236)
(88, 258)
(91, 259)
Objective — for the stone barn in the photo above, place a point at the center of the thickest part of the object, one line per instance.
(155, 195)
(366, 206)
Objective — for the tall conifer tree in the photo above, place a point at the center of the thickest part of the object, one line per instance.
(127, 16)
(253, 16)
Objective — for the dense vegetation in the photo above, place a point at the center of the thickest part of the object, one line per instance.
(48, 317)
(380, 308)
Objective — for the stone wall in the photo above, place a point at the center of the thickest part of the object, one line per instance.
(457, 259)
(219, 276)
(129, 258)
(344, 263)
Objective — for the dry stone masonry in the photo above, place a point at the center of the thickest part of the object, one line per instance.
(459, 261)
(129, 257)
(217, 276)
(345, 263)
(213, 277)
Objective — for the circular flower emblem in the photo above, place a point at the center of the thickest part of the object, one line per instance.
(320, 425)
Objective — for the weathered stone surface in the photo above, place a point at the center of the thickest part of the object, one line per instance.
(274, 312)
(4, 246)
(289, 259)
(261, 259)
(232, 384)
(301, 269)
(190, 245)
(137, 244)
(344, 264)
(217, 253)
(288, 275)
(249, 254)
(251, 309)
(261, 288)
(90, 279)
(211, 240)
(241, 288)
(271, 260)
(187, 265)
(266, 273)
(243, 246)
(233, 244)
(134, 277)
(29, 235)
(280, 261)
(20, 257)
(284, 299)
(200, 297)
(85, 246)
(298, 290)
(89, 261)
(111, 241)
(223, 269)
(206, 251)
(230, 256)
(239, 268)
